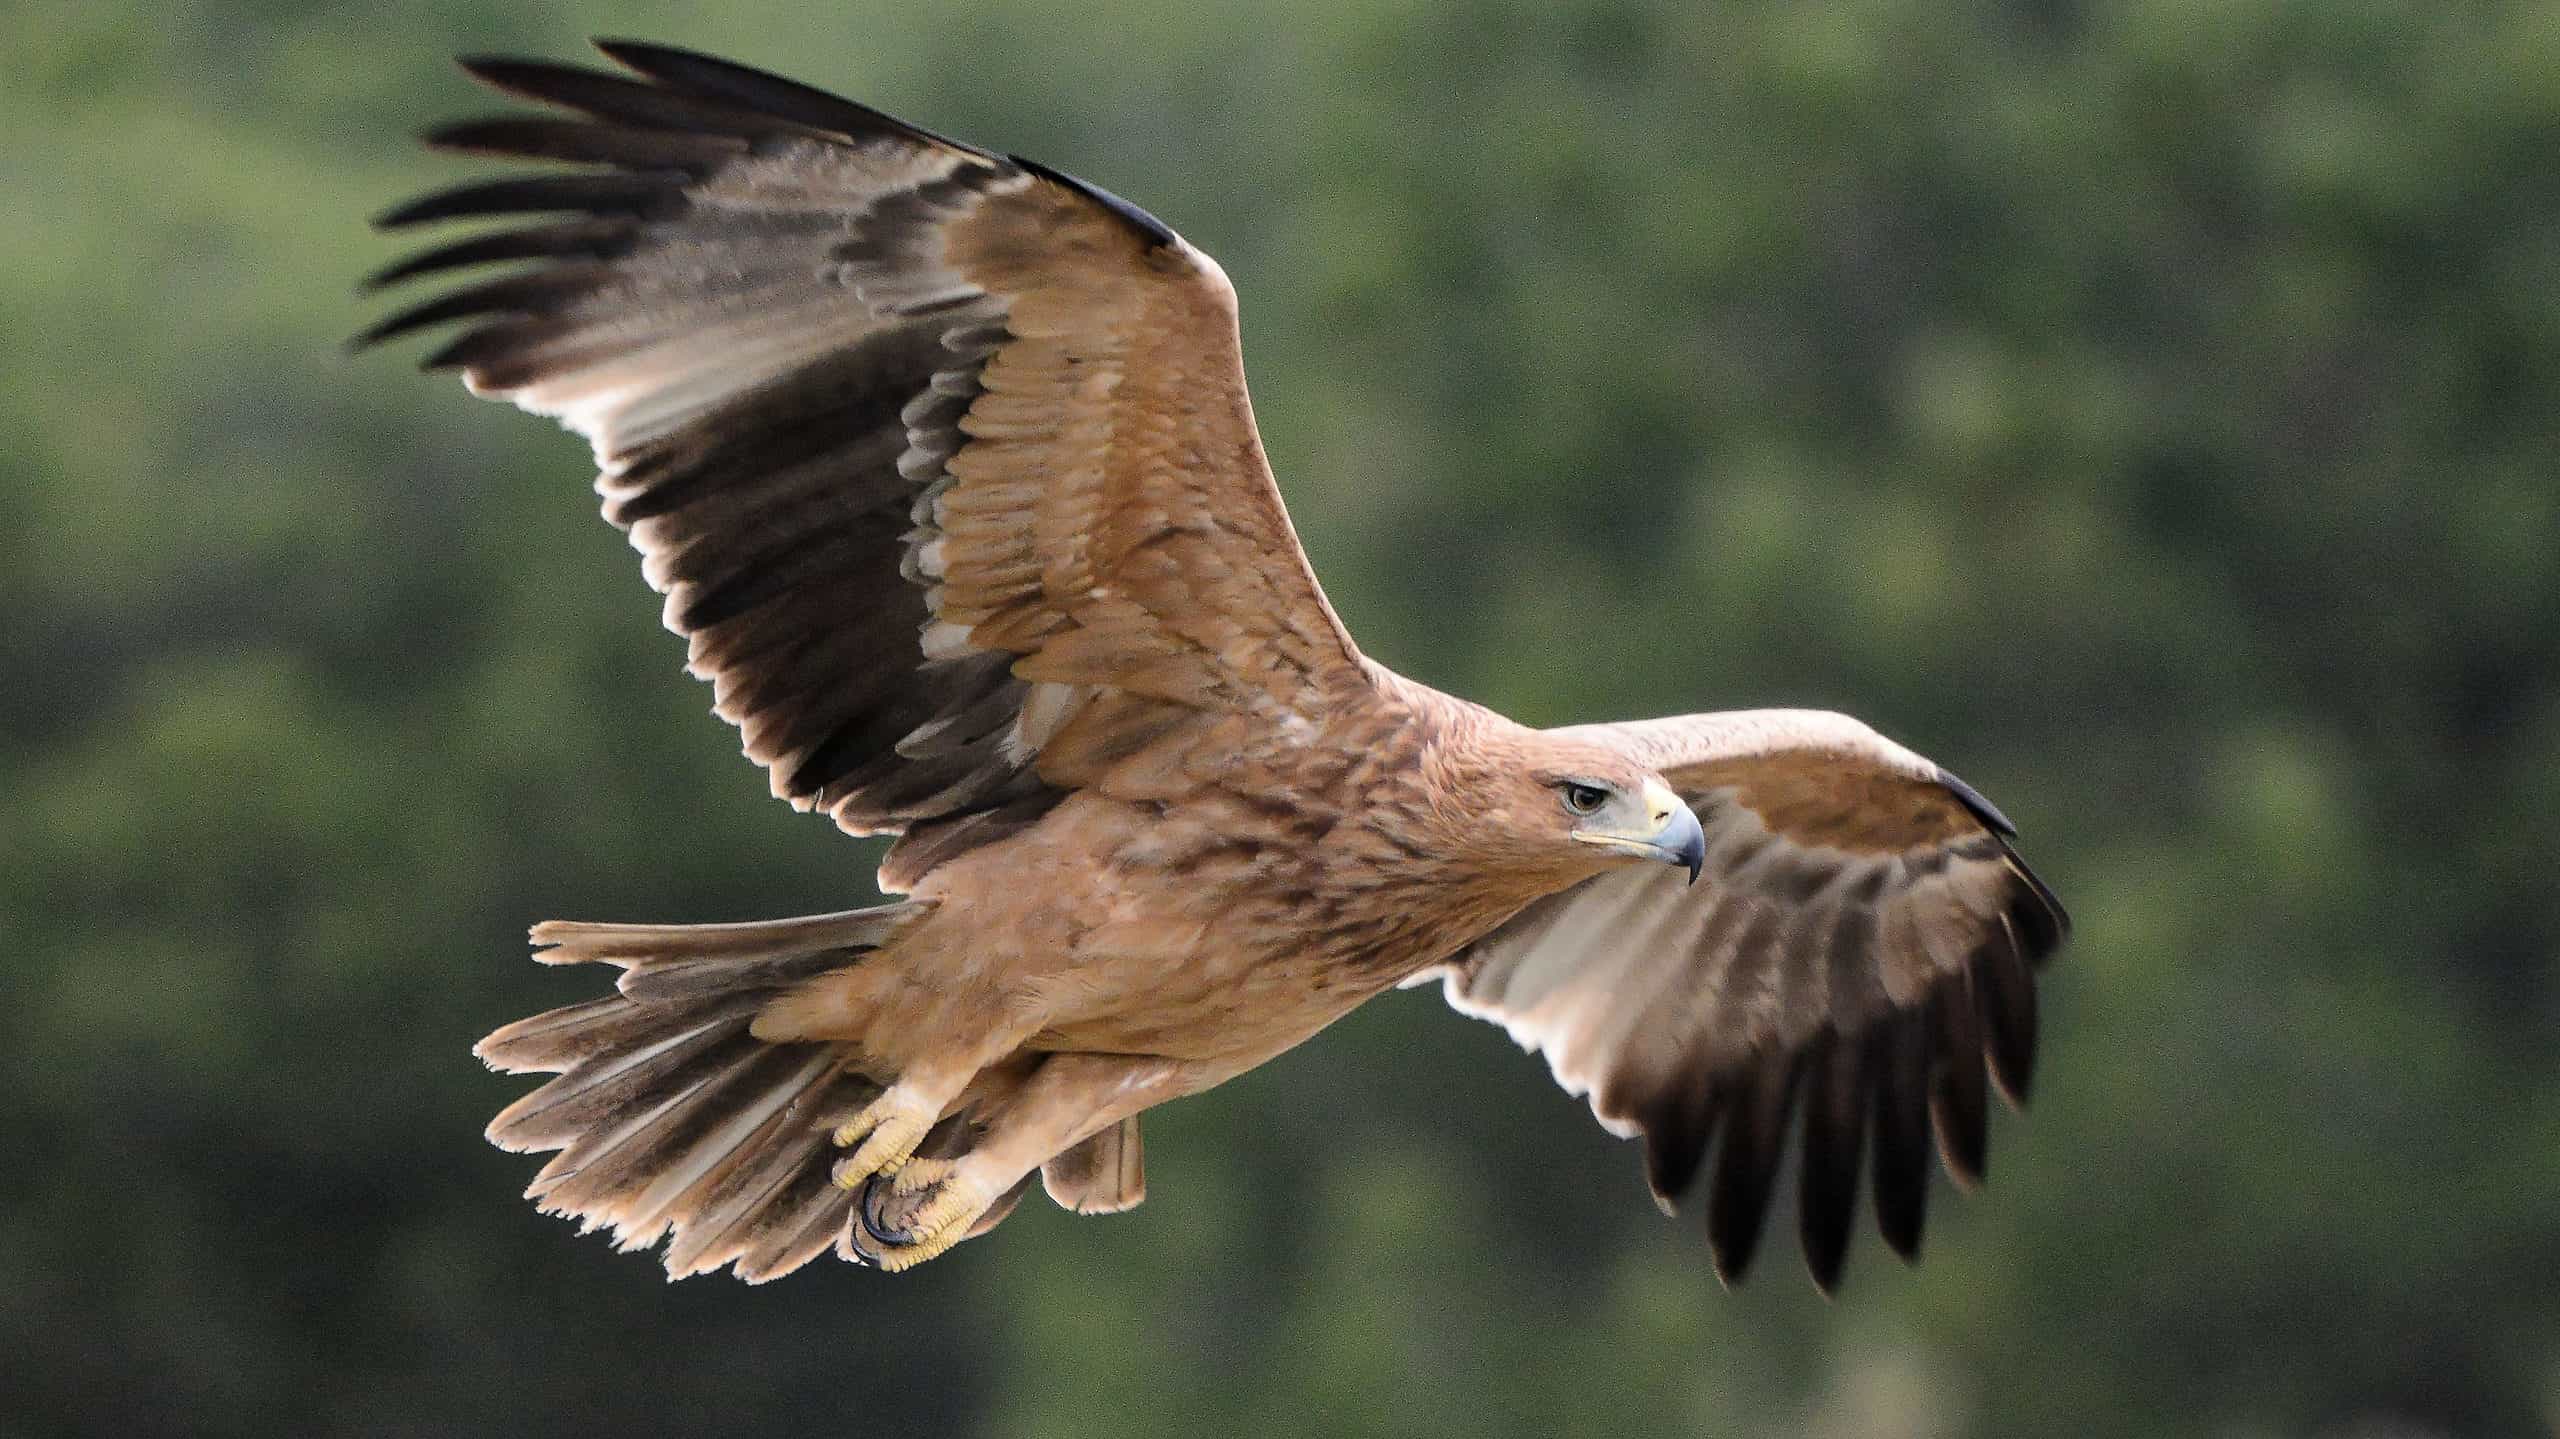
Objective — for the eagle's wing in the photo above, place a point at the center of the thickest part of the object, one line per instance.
(943, 460)
(1862, 941)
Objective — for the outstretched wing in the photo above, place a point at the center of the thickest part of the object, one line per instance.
(943, 460)
(1862, 943)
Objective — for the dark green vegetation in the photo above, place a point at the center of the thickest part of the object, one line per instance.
(2150, 410)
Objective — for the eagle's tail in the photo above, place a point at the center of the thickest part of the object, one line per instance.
(670, 1117)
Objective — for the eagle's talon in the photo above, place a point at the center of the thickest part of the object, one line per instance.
(867, 1214)
(935, 1218)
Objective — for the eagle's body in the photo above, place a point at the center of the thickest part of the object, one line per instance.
(945, 464)
(1218, 922)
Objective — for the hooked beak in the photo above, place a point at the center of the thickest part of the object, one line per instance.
(1671, 832)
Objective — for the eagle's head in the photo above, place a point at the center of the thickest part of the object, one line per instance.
(1552, 810)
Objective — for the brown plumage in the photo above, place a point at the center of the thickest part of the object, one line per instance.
(944, 464)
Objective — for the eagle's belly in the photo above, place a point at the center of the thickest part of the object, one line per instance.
(1215, 928)
(1205, 944)
(1229, 994)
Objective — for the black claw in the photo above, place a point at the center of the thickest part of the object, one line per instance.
(866, 1212)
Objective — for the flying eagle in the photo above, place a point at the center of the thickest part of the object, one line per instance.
(944, 464)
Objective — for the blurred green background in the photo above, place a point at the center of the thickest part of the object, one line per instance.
(2148, 409)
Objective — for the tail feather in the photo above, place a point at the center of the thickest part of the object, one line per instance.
(559, 1040)
(584, 1176)
(611, 1082)
(670, 1117)
(726, 1203)
(767, 1086)
(674, 981)
(622, 1183)
(795, 1226)
(577, 941)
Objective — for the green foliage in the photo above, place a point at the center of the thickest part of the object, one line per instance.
(2147, 408)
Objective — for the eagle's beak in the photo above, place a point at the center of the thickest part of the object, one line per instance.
(1671, 832)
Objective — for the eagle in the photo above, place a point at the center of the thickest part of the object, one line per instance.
(944, 464)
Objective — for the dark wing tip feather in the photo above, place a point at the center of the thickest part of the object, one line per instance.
(1678, 1125)
(531, 293)
(1959, 1108)
(531, 79)
(710, 78)
(2005, 995)
(587, 142)
(1835, 1136)
(502, 344)
(1901, 1132)
(607, 95)
(595, 238)
(1885, 1106)
(1755, 1137)
(637, 193)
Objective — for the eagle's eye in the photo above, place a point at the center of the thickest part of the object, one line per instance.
(1583, 798)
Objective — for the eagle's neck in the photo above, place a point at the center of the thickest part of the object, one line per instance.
(1419, 868)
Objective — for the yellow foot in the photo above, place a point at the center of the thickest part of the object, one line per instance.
(884, 1134)
(898, 1229)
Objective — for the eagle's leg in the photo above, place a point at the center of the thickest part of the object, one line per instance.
(884, 1137)
(901, 1222)
(885, 1134)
